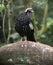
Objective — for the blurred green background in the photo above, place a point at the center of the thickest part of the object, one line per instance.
(16, 7)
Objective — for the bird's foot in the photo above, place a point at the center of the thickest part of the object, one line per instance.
(24, 39)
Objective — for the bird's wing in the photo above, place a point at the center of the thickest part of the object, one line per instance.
(31, 26)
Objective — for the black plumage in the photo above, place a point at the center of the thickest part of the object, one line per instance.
(22, 26)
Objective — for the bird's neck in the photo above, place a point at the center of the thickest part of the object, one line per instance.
(27, 14)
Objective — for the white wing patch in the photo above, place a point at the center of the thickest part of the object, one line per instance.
(31, 26)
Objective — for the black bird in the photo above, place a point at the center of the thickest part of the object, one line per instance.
(24, 25)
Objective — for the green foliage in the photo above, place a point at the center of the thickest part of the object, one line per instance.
(14, 37)
(2, 7)
(47, 37)
(1, 44)
(49, 22)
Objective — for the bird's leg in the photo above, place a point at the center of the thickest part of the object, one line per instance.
(24, 38)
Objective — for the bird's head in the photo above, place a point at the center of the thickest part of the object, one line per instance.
(28, 11)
